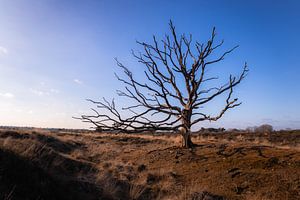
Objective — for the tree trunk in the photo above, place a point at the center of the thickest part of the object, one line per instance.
(186, 132)
(186, 140)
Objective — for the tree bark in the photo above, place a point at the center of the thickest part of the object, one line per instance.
(186, 140)
(186, 134)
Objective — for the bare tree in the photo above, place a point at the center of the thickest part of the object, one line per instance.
(173, 93)
(264, 128)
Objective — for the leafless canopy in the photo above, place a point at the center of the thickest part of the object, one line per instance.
(173, 91)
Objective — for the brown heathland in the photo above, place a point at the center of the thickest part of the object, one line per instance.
(62, 165)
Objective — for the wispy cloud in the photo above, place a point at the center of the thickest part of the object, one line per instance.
(7, 95)
(78, 81)
(54, 91)
(38, 92)
(44, 92)
(3, 50)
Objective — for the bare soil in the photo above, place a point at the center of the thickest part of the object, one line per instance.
(64, 165)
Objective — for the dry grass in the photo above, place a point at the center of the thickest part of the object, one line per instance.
(143, 166)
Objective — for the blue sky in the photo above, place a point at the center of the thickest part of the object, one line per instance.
(56, 53)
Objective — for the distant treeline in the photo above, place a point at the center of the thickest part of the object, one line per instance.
(47, 129)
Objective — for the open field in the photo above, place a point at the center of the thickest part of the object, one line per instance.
(42, 164)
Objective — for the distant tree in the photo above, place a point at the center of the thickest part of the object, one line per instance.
(99, 129)
(265, 128)
(174, 89)
(251, 129)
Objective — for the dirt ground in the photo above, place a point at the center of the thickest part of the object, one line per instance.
(42, 164)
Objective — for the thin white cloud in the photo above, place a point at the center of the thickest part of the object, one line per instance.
(54, 91)
(7, 95)
(78, 81)
(38, 92)
(3, 50)
(44, 92)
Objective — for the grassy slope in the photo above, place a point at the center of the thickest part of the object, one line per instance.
(44, 165)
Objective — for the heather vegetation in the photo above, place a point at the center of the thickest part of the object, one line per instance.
(47, 164)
